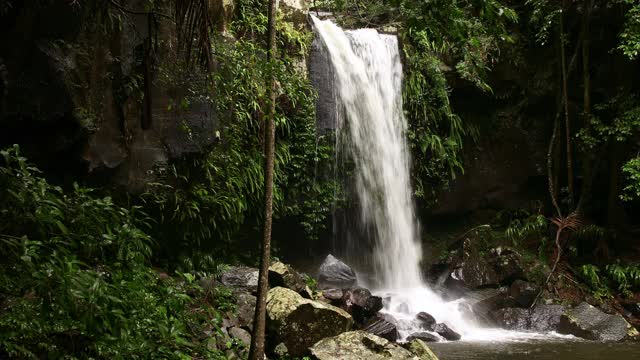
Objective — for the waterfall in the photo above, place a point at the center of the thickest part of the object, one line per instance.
(369, 81)
(367, 72)
(366, 104)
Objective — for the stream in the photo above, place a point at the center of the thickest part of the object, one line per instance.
(544, 349)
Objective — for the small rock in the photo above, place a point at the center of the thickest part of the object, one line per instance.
(335, 274)
(240, 334)
(427, 321)
(333, 294)
(383, 328)
(281, 351)
(424, 336)
(447, 333)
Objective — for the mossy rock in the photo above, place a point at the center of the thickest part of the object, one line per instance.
(299, 323)
(360, 345)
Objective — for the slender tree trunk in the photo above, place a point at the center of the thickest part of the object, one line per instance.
(567, 122)
(588, 157)
(256, 351)
(551, 178)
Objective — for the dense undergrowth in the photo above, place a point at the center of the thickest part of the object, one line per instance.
(212, 200)
(75, 278)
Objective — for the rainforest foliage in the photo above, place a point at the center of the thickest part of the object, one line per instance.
(79, 270)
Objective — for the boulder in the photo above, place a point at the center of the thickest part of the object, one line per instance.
(446, 332)
(545, 318)
(335, 274)
(419, 348)
(284, 275)
(511, 318)
(484, 301)
(245, 309)
(542, 318)
(333, 295)
(426, 321)
(361, 304)
(469, 268)
(423, 336)
(240, 334)
(588, 322)
(359, 345)
(383, 328)
(524, 293)
(240, 279)
(299, 323)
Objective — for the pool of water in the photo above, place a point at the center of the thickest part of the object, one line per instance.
(560, 349)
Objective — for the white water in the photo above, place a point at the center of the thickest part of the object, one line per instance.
(368, 73)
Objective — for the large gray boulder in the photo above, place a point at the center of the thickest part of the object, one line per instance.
(335, 274)
(240, 279)
(545, 318)
(512, 318)
(299, 323)
(542, 318)
(360, 345)
(588, 322)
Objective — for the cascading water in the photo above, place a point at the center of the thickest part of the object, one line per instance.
(367, 73)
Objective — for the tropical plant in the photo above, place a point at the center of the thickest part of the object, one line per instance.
(75, 278)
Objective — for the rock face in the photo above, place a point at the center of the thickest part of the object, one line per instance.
(295, 11)
(588, 322)
(542, 318)
(468, 268)
(335, 274)
(483, 302)
(512, 318)
(360, 345)
(284, 275)
(361, 304)
(523, 293)
(546, 318)
(240, 279)
(383, 328)
(299, 323)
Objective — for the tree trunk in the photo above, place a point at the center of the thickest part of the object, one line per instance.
(256, 351)
(567, 122)
(551, 178)
(588, 157)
